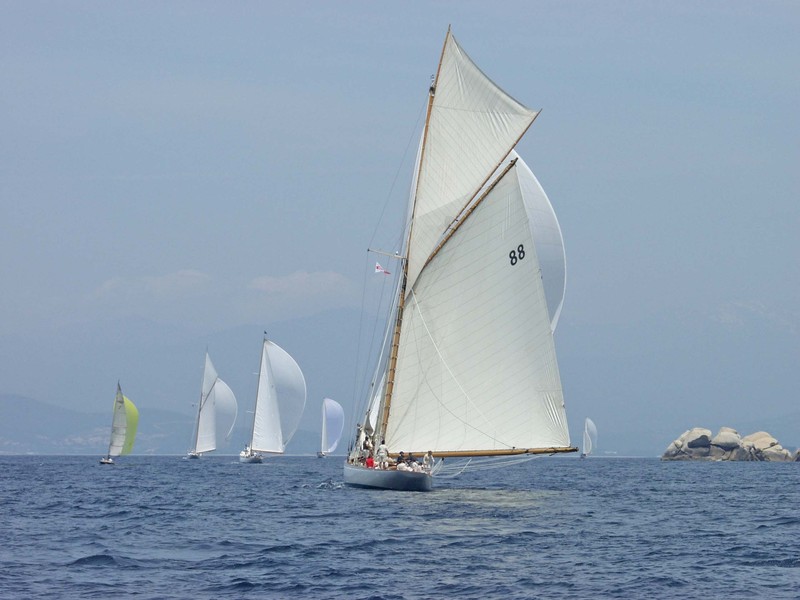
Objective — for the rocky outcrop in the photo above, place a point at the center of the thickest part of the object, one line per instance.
(698, 444)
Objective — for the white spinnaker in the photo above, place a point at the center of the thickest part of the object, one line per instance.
(226, 410)
(332, 425)
(473, 126)
(291, 387)
(476, 368)
(589, 436)
(206, 413)
(547, 237)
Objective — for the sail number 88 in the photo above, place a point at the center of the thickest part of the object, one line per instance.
(516, 255)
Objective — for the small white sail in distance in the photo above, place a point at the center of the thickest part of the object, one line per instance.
(332, 425)
(280, 400)
(216, 415)
(589, 437)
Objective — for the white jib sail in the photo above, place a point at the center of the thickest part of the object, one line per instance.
(332, 425)
(473, 126)
(280, 400)
(476, 366)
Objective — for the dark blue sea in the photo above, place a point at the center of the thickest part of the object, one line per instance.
(561, 528)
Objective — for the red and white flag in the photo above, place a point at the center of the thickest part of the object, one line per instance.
(380, 269)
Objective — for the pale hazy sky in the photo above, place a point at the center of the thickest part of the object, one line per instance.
(208, 165)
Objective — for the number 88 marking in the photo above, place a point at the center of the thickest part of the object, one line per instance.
(517, 254)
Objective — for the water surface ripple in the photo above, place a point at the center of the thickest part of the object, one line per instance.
(162, 527)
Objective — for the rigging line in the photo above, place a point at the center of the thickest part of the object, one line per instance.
(399, 168)
(444, 472)
(378, 375)
(354, 403)
(450, 471)
(463, 391)
(360, 406)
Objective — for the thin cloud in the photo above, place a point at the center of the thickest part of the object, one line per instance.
(739, 314)
(299, 294)
(160, 287)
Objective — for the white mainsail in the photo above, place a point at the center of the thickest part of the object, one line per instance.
(280, 399)
(476, 368)
(216, 412)
(589, 437)
(332, 425)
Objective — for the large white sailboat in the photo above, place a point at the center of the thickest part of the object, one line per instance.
(216, 412)
(123, 428)
(470, 370)
(332, 426)
(280, 399)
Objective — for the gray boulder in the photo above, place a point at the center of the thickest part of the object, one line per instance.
(727, 444)
(727, 439)
(698, 438)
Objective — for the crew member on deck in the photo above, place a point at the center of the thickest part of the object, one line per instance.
(383, 455)
(427, 462)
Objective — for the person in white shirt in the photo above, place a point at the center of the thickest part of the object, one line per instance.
(383, 456)
(428, 461)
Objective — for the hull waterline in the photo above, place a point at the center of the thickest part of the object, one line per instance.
(403, 481)
(252, 458)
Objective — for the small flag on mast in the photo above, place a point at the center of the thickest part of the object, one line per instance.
(380, 269)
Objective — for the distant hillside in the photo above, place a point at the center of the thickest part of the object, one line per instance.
(28, 426)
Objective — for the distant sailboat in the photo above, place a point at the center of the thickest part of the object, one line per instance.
(123, 428)
(332, 425)
(216, 411)
(589, 437)
(470, 370)
(280, 399)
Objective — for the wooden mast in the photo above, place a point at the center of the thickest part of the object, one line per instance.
(387, 398)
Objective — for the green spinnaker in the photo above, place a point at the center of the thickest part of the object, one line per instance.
(132, 420)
